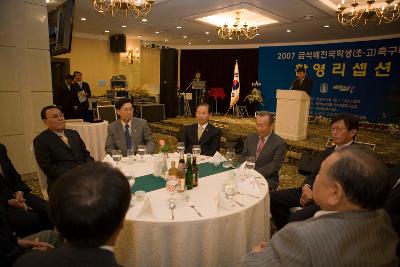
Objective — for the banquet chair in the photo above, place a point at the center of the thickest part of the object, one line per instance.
(41, 175)
(107, 113)
(73, 120)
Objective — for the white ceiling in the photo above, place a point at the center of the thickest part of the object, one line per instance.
(168, 14)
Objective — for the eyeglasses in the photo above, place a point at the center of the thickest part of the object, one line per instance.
(56, 116)
(127, 109)
(338, 129)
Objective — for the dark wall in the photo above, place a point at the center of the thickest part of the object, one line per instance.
(169, 81)
(216, 67)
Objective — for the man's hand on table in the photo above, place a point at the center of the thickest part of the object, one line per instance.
(306, 195)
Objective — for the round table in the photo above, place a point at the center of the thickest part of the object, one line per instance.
(94, 135)
(222, 237)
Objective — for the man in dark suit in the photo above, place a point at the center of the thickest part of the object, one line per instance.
(64, 97)
(202, 133)
(268, 148)
(303, 82)
(128, 132)
(82, 93)
(351, 229)
(58, 150)
(344, 130)
(88, 206)
(25, 212)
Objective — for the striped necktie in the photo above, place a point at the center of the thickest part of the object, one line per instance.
(64, 139)
(199, 132)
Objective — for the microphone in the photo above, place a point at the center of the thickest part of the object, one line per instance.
(291, 86)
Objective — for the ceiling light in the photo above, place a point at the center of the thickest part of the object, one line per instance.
(123, 26)
(137, 8)
(288, 30)
(165, 40)
(237, 30)
(178, 27)
(208, 41)
(144, 20)
(184, 37)
(139, 36)
(157, 32)
(106, 31)
(307, 17)
(257, 34)
(382, 12)
(189, 43)
(326, 26)
(83, 19)
(207, 33)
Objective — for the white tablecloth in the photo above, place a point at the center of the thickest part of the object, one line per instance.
(221, 238)
(94, 135)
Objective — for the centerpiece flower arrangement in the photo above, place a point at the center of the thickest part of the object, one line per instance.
(164, 148)
(255, 96)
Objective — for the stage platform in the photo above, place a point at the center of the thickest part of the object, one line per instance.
(386, 145)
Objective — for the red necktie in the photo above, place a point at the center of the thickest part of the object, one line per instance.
(260, 145)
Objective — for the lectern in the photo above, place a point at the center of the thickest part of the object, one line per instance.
(292, 111)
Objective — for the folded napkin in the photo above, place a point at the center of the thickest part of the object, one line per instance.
(138, 207)
(223, 202)
(249, 186)
(108, 159)
(217, 158)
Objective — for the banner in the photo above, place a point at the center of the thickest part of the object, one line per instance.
(361, 78)
(235, 86)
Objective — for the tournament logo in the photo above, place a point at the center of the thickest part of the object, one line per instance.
(323, 88)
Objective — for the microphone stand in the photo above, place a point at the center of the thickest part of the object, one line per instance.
(186, 106)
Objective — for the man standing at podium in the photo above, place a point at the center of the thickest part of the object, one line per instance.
(302, 82)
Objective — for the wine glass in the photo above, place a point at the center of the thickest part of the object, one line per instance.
(249, 165)
(196, 150)
(141, 151)
(180, 147)
(130, 154)
(230, 191)
(230, 155)
(116, 155)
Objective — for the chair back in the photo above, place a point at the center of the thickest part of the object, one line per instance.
(41, 175)
(107, 113)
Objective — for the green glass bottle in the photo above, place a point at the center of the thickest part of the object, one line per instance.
(189, 173)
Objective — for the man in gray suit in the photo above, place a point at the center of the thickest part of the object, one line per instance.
(128, 132)
(268, 148)
(351, 229)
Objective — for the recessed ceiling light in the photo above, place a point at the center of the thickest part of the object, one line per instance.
(144, 20)
(326, 26)
(139, 36)
(288, 30)
(257, 34)
(83, 19)
(189, 43)
(157, 32)
(123, 26)
(208, 41)
(106, 31)
(207, 33)
(165, 40)
(184, 37)
(47, 1)
(307, 17)
(230, 38)
(178, 27)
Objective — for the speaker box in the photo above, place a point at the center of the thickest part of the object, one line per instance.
(118, 43)
(169, 81)
(151, 112)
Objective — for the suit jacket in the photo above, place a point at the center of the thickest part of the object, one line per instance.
(66, 99)
(270, 159)
(305, 86)
(309, 179)
(69, 256)
(85, 87)
(11, 181)
(209, 140)
(347, 238)
(140, 134)
(392, 205)
(54, 157)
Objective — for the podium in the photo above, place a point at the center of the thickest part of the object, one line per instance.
(292, 111)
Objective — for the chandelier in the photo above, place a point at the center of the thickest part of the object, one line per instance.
(137, 8)
(353, 16)
(237, 31)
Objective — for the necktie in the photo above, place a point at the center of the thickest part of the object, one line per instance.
(199, 132)
(260, 145)
(65, 139)
(128, 138)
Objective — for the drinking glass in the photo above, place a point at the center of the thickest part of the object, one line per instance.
(180, 147)
(141, 151)
(130, 154)
(196, 150)
(250, 163)
(230, 155)
(116, 155)
(230, 191)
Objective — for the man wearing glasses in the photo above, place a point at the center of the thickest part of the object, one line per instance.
(128, 132)
(344, 130)
(57, 149)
